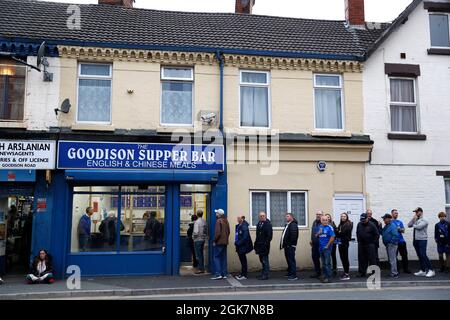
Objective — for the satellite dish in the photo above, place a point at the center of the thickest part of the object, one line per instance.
(65, 107)
(40, 54)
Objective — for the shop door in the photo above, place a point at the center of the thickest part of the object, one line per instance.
(193, 198)
(353, 206)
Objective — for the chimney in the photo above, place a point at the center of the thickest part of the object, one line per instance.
(122, 3)
(354, 13)
(244, 6)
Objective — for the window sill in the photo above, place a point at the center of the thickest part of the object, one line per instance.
(170, 129)
(440, 51)
(250, 131)
(406, 136)
(13, 124)
(93, 127)
(336, 133)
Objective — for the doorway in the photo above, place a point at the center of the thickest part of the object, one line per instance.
(16, 225)
(192, 199)
(353, 205)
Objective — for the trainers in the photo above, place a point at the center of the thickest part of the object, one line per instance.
(224, 277)
(240, 278)
(393, 276)
(430, 274)
(1, 281)
(292, 278)
(199, 272)
(217, 278)
(420, 274)
(345, 277)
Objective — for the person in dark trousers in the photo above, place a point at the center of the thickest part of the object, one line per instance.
(221, 236)
(289, 239)
(315, 253)
(343, 238)
(264, 234)
(334, 247)
(420, 226)
(199, 235)
(391, 237)
(190, 239)
(41, 270)
(442, 237)
(326, 237)
(402, 248)
(379, 226)
(368, 236)
(244, 246)
(153, 230)
(108, 229)
(84, 229)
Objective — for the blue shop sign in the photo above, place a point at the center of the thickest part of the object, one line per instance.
(139, 156)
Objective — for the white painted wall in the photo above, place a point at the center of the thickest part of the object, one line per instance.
(42, 97)
(402, 174)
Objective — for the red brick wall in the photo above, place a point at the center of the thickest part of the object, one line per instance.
(244, 9)
(354, 12)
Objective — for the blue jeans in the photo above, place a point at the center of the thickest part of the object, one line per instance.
(315, 254)
(289, 253)
(325, 256)
(199, 247)
(264, 259)
(220, 261)
(421, 250)
(83, 241)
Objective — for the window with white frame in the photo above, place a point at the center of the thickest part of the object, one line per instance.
(440, 30)
(447, 197)
(177, 96)
(328, 102)
(403, 105)
(94, 93)
(254, 96)
(276, 204)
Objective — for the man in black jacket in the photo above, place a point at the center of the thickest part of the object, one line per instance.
(368, 237)
(288, 242)
(264, 233)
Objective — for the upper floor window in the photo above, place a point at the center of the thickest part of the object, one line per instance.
(177, 96)
(440, 30)
(94, 93)
(447, 197)
(12, 91)
(254, 96)
(403, 105)
(328, 102)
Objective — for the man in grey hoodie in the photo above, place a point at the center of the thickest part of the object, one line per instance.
(420, 226)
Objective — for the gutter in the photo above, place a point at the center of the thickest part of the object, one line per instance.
(266, 53)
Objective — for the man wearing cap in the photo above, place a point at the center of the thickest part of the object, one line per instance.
(221, 235)
(391, 237)
(402, 248)
(367, 235)
(420, 226)
(442, 238)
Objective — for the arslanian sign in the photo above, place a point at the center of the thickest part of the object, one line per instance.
(27, 155)
(139, 156)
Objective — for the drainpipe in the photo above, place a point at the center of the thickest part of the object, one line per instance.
(221, 59)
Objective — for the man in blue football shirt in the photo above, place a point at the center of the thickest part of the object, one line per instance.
(326, 238)
(402, 249)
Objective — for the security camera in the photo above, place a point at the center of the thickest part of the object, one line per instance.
(208, 118)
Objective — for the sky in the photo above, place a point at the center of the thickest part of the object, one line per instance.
(376, 10)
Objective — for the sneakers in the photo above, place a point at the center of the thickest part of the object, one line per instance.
(199, 272)
(393, 276)
(420, 274)
(241, 277)
(1, 281)
(292, 278)
(345, 277)
(217, 278)
(430, 274)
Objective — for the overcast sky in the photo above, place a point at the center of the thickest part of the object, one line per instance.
(376, 10)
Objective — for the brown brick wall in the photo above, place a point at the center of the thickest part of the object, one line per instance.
(354, 12)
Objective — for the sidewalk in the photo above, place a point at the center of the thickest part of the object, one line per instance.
(16, 288)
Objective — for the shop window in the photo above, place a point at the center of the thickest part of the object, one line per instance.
(94, 93)
(177, 96)
(254, 99)
(123, 219)
(12, 91)
(328, 102)
(276, 204)
(447, 197)
(403, 105)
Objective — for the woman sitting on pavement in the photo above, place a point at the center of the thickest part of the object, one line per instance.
(41, 269)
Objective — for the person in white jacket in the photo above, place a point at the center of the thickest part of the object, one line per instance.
(420, 226)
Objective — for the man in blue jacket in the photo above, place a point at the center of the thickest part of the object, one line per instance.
(244, 245)
(402, 248)
(442, 237)
(391, 237)
(84, 229)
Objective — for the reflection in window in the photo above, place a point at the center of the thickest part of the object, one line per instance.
(118, 219)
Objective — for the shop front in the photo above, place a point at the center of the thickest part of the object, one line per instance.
(125, 207)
